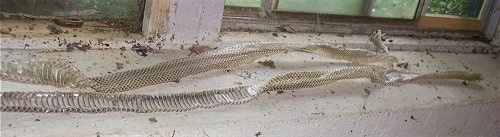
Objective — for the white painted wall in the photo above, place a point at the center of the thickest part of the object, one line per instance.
(194, 21)
(496, 38)
(188, 21)
(438, 108)
(491, 28)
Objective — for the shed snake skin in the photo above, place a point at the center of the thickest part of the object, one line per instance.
(106, 99)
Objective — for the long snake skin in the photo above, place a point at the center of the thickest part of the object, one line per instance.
(226, 58)
(176, 69)
(105, 99)
(44, 73)
(87, 102)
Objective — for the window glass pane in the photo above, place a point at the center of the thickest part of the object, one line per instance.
(243, 3)
(465, 8)
(404, 9)
(76, 8)
(339, 7)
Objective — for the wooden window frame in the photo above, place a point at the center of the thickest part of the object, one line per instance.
(449, 22)
(158, 21)
(267, 19)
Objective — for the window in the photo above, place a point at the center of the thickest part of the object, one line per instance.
(402, 9)
(86, 9)
(462, 8)
(455, 14)
(243, 3)
(409, 14)
(338, 7)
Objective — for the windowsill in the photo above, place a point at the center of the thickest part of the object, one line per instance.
(93, 32)
(363, 26)
(343, 108)
(450, 23)
(450, 16)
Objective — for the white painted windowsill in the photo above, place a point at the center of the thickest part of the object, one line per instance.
(429, 108)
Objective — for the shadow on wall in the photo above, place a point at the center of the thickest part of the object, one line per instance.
(86, 9)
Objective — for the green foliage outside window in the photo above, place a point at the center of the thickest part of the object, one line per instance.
(468, 8)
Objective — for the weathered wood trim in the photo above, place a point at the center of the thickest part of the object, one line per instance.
(449, 23)
(195, 21)
(155, 21)
(492, 21)
(423, 5)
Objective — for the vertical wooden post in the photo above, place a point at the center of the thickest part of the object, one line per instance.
(368, 5)
(155, 20)
(423, 5)
(492, 21)
(491, 29)
(195, 21)
(265, 8)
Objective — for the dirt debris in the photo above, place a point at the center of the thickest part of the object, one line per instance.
(197, 49)
(268, 63)
(275, 34)
(152, 120)
(430, 54)
(99, 41)
(5, 30)
(367, 92)
(84, 47)
(119, 66)
(285, 28)
(412, 118)
(130, 42)
(258, 134)
(403, 65)
(245, 75)
(78, 45)
(70, 47)
(141, 50)
(54, 29)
